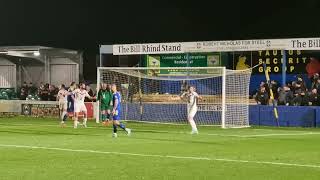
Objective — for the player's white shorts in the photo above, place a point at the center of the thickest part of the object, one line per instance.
(192, 111)
(63, 105)
(80, 107)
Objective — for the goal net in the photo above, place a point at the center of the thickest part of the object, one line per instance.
(153, 94)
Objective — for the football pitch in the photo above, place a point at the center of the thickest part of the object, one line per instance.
(37, 148)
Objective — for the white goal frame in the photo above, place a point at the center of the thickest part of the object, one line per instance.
(223, 85)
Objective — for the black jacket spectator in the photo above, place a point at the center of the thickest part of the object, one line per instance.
(300, 95)
(274, 87)
(44, 92)
(32, 89)
(314, 98)
(262, 96)
(302, 83)
(132, 90)
(52, 93)
(285, 96)
(316, 85)
(265, 85)
(24, 91)
(315, 81)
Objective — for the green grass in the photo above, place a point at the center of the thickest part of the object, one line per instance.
(43, 150)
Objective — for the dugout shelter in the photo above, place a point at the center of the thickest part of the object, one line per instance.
(38, 64)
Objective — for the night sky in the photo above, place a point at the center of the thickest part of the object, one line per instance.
(83, 25)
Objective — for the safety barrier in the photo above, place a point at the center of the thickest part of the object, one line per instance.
(289, 116)
(38, 108)
(259, 115)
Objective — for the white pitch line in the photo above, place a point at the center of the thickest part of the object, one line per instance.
(283, 134)
(298, 133)
(267, 135)
(161, 156)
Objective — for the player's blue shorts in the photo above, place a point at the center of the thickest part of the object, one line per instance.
(116, 116)
(70, 107)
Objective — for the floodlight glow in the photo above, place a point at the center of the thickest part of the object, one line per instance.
(36, 53)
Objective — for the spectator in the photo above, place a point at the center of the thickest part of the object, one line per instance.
(274, 87)
(293, 93)
(43, 92)
(132, 90)
(315, 81)
(52, 93)
(41, 84)
(285, 96)
(24, 91)
(302, 83)
(32, 89)
(289, 85)
(262, 96)
(293, 86)
(316, 85)
(266, 86)
(314, 98)
(25, 85)
(300, 96)
(184, 87)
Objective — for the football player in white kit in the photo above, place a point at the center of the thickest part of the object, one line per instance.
(63, 103)
(192, 98)
(79, 95)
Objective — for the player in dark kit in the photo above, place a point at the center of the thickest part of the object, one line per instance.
(116, 112)
(105, 98)
(70, 99)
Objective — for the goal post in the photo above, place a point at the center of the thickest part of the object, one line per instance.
(153, 94)
(223, 98)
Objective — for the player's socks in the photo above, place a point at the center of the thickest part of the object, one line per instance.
(122, 126)
(65, 117)
(75, 123)
(85, 122)
(193, 126)
(105, 121)
(115, 128)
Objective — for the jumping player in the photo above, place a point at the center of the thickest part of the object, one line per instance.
(105, 98)
(116, 111)
(192, 98)
(63, 103)
(79, 95)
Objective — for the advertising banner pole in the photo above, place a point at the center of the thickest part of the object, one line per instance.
(284, 67)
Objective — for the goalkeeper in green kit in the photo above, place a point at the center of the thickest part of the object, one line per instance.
(105, 98)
